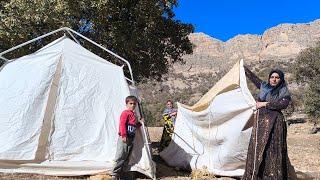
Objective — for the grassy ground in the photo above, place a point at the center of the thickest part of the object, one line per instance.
(304, 151)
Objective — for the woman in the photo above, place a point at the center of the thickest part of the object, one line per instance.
(170, 111)
(169, 116)
(267, 153)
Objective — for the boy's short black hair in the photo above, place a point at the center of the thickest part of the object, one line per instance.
(131, 98)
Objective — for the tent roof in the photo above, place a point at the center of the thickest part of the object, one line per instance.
(65, 45)
(72, 34)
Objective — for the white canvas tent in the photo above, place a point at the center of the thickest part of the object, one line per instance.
(209, 135)
(59, 112)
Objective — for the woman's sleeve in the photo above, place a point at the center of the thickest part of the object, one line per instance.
(279, 104)
(165, 112)
(253, 78)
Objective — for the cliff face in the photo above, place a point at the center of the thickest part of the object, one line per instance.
(281, 43)
(212, 58)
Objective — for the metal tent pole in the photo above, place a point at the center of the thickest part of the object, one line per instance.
(70, 31)
(146, 139)
(5, 59)
(30, 41)
(73, 37)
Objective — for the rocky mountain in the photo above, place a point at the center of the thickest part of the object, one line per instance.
(212, 58)
(280, 43)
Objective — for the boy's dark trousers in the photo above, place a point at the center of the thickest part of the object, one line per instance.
(122, 155)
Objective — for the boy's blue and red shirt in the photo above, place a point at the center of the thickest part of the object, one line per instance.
(128, 123)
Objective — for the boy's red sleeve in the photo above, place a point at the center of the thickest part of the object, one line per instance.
(122, 124)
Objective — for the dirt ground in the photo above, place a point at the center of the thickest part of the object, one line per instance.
(304, 153)
(304, 149)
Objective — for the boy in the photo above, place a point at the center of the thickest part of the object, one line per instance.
(127, 127)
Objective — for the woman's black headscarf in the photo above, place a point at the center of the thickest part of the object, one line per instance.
(271, 93)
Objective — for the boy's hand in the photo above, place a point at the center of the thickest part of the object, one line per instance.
(142, 120)
(124, 139)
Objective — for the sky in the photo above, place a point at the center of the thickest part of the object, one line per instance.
(224, 19)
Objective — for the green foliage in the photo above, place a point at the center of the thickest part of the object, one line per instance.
(307, 72)
(307, 65)
(312, 101)
(144, 31)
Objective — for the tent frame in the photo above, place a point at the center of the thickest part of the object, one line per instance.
(70, 32)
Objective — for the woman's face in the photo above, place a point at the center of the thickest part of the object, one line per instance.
(274, 79)
(169, 104)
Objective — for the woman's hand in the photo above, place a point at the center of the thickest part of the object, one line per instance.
(261, 104)
(173, 114)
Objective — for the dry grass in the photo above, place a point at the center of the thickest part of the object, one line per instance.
(202, 174)
(100, 177)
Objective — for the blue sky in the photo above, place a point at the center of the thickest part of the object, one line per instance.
(223, 19)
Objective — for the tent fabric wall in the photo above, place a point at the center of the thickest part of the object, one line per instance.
(24, 89)
(91, 94)
(74, 97)
(209, 134)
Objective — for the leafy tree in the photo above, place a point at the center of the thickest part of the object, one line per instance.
(142, 31)
(307, 72)
(312, 101)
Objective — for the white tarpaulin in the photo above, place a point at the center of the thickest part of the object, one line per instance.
(59, 113)
(209, 134)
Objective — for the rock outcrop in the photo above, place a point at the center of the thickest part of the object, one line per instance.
(279, 43)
